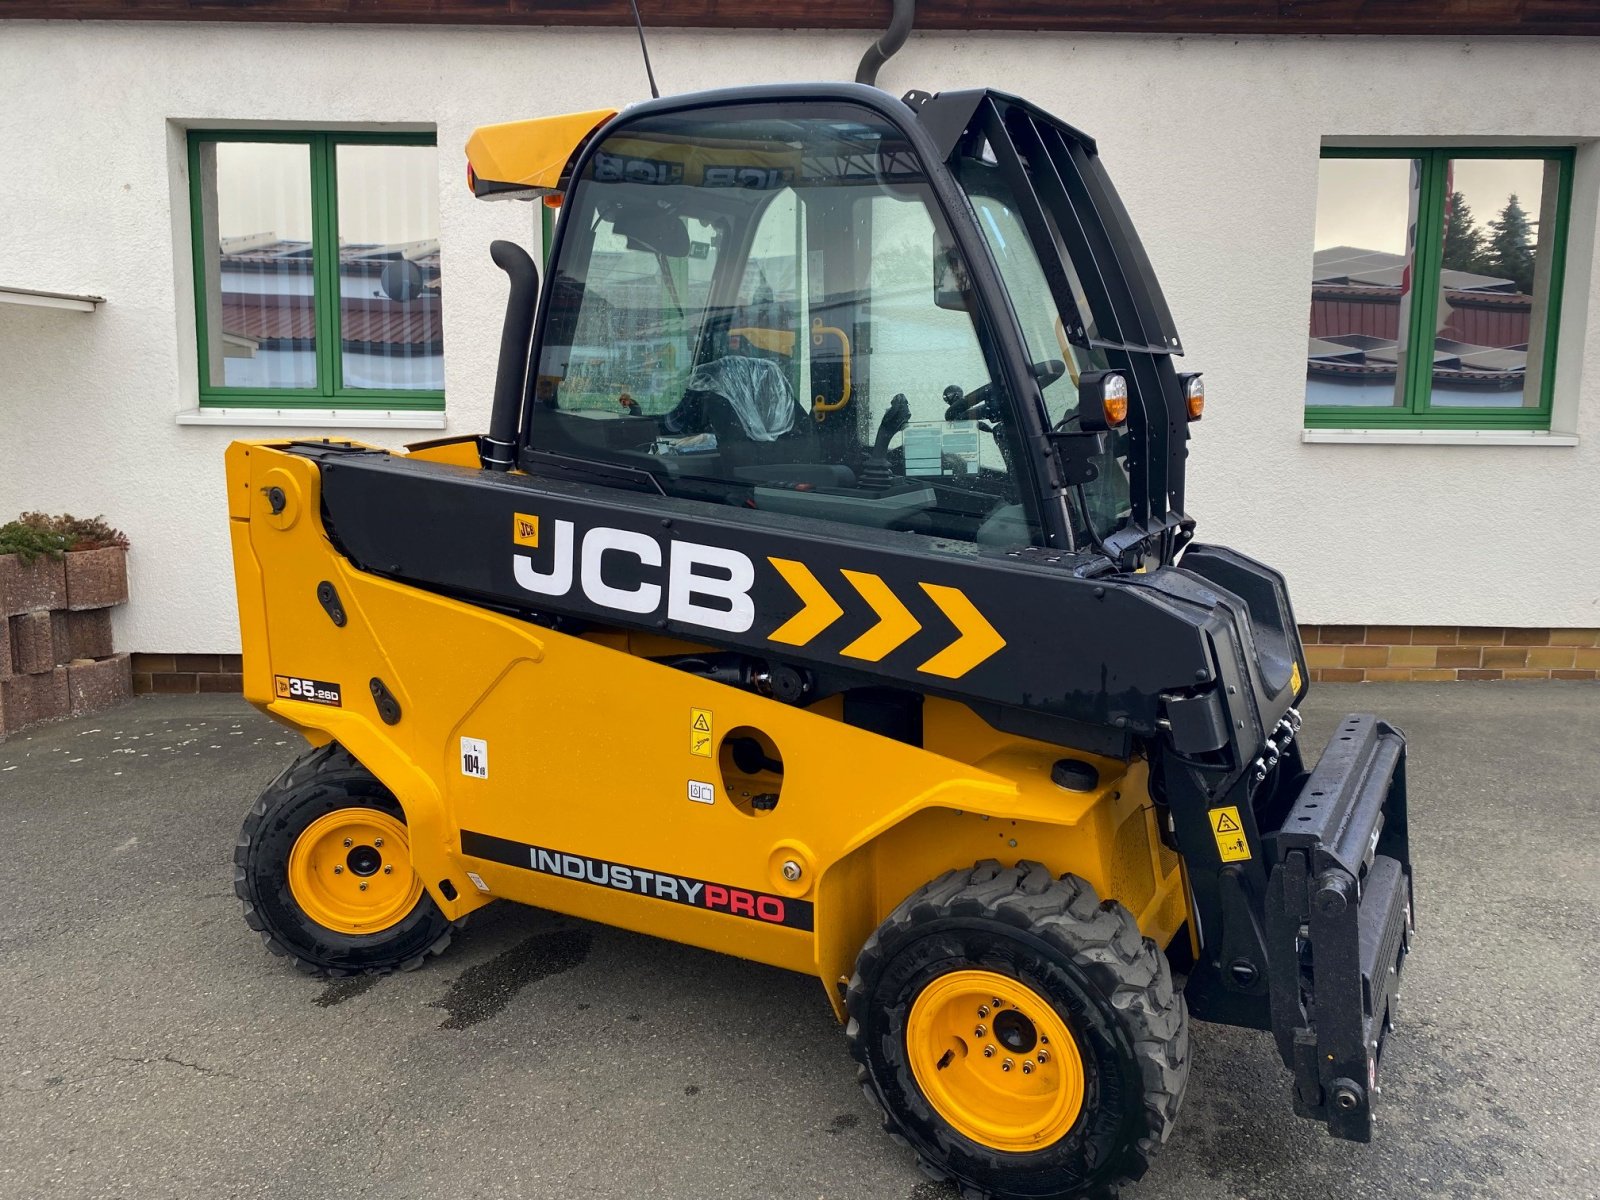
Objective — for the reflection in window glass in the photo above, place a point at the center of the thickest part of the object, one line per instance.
(744, 305)
(1494, 285)
(642, 308)
(256, 241)
(924, 349)
(389, 307)
(1361, 281)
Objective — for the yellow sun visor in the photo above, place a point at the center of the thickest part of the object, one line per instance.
(519, 160)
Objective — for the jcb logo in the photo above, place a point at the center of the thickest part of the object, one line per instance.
(707, 586)
(525, 530)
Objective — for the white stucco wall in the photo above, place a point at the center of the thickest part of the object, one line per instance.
(1212, 141)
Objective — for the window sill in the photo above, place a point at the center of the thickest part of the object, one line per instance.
(315, 418)
(1440, 437)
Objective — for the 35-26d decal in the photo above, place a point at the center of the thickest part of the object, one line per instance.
(312, 691)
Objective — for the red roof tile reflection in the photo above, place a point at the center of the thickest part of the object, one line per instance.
(373, 321)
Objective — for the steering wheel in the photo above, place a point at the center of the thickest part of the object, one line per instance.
(964, 406)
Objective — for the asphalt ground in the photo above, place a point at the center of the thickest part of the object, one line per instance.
(149, 1046)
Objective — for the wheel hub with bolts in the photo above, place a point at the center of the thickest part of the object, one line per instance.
(350, 871)
(995, 1060)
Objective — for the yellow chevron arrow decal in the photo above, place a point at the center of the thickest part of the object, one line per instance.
(818, 610)
(978, 638)
(895, 622)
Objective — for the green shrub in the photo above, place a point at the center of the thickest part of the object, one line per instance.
(34, 534)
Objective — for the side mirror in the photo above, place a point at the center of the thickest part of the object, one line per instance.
(950, 284)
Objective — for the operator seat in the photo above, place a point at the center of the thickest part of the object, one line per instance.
(750, 407)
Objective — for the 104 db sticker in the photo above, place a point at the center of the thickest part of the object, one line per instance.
(312, 691)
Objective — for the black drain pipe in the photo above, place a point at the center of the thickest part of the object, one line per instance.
(498, 447)
(882, 50)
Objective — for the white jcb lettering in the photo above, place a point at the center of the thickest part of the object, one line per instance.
(731, 585)
(557, 581)
(707, 586)
(644, 597)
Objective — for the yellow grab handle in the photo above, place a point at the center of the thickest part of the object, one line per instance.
(1066, 351)
(820, 407)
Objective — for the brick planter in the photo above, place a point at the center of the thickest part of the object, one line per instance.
(96, 684)
(96, 578)
(26, 587)
(56, 656)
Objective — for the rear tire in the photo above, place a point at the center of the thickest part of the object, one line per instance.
(323, 867)
(1088, 1116)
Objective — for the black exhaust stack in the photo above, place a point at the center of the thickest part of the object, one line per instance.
(882, 50)
(498, 447)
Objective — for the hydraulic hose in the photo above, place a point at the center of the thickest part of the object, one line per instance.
(882, 50)
(499, 447)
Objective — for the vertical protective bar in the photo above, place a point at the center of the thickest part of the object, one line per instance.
(1008, 155)
(1147, 369)
(1140, 271)
(996, 129)
(1072, 241)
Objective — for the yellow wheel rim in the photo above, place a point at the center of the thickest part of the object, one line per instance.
(995, 1060)
(350, 871)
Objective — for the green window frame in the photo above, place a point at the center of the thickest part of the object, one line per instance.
(1418, 412)
(330, 392)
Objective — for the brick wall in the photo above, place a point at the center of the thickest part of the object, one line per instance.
(1385, 653)
(175, 674)
(1334, 653)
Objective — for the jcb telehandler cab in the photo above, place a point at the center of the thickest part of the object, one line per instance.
(822, 593)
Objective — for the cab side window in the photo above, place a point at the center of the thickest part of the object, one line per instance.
(778, 321)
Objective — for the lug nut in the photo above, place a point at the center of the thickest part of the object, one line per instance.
(997, 1001)
(348, 842)
(1027, 1068)
(388, 870)
(983, 1010)
(1007, 1065)
(1044, 1057)
(338, 870)
(988, 1051)
(377, 841)
(980, 1031)
(363, 887)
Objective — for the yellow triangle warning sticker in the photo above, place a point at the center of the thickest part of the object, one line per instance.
(1228, 829)
(700, 732)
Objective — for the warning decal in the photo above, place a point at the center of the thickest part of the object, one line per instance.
(1229, 832)
(700, 732)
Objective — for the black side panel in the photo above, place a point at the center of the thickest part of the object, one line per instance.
(1092, 651)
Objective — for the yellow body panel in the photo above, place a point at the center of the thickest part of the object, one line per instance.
(531, 154)
(594, 750)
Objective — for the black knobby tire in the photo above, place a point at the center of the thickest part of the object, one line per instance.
(323, 780)
(1112, 986)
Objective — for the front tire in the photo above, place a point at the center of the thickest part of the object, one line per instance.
(1021, 1036)
(323, 866)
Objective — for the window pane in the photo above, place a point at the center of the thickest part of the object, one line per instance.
(255, 231)
(389, 311)
(745, 306)
(1361, 281)
(919, 348)
(1490, 332)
